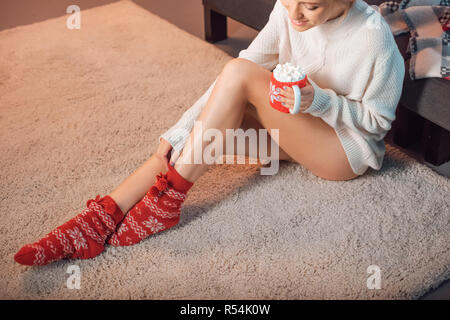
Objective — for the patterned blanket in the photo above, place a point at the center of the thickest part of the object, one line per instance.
(428, 22)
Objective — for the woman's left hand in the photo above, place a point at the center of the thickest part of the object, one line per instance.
(287, 96)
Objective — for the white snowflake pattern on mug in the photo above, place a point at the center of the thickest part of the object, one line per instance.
(274, 92)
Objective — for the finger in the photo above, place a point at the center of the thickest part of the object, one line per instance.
(174, 157)
(169, 154)
(288, 105)
(288, 100)
(165, 149)
(288, 92)
(304, 106)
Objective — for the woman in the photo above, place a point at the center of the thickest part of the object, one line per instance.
(355, 74)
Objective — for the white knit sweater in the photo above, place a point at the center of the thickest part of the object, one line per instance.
(354, 66)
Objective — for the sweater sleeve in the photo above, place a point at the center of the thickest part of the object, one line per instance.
(375, 112)
(263, 50)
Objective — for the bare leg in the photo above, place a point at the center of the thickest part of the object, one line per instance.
(224, 110)
(134, 187)
(227, 108)
(252, 121)
(225, 115)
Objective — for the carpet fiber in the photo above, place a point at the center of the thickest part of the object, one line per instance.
(80, 110)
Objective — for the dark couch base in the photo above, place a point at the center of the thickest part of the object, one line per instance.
(411, 130)
(215, 25)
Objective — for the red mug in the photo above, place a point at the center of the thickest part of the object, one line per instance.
(275, 88)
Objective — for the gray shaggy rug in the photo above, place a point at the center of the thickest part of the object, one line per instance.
(80, 110)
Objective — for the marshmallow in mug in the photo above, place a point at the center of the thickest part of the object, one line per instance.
(288, 72)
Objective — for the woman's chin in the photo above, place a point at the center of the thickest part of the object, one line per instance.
(302, 28)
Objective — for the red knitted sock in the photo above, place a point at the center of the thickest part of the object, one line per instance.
(81, 237)
(159, 210)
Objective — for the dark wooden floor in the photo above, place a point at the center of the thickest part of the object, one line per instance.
(187, 15)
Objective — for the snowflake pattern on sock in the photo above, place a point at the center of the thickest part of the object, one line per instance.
(82, 237)
(158, 210)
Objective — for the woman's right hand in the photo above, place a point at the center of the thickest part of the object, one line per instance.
(166, 152)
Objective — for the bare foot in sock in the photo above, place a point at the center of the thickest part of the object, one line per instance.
(82, 237)
(159, 210)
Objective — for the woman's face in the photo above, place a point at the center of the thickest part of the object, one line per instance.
(306, 14)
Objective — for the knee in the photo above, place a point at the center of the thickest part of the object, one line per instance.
(239, 64)
(236, 63)
(238, 69)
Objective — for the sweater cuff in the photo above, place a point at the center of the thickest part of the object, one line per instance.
(176, 137)
(321, 101)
